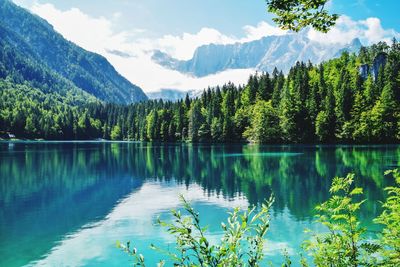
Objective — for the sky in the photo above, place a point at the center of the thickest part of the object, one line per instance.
(127, 31)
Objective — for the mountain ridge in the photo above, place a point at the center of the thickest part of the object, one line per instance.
(263, 54)
(86, 70)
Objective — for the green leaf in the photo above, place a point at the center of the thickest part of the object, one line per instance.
(356, 191)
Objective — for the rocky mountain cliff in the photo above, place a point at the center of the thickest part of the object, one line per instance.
(264, 55)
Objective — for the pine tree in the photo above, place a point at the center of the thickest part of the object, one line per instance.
(228, 111)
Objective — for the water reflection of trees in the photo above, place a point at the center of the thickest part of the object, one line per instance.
(49, 190)
(298, 181)
(95, 176)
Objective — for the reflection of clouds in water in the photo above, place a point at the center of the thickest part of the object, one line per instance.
(286, 233)
(133, 216)
(276, 248)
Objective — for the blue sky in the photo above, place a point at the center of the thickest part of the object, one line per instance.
(137, 27)
(386, 10)
(162, 17)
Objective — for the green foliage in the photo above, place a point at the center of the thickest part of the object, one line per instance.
(298, 14)
(195, 121)
(228, 112)
(30, 113)
(264, 124)
(344, 243)
(242, 243)
(322, 124)
(390, 219)
(116, 133)
(152, 125)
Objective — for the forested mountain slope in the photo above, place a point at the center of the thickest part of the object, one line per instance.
(32, 51)
(351, 99)
(19, 64)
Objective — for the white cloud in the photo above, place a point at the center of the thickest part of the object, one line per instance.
(94, 34)
(375, 33)
(153, 77)
(97, 34)
(262, 29)
(369, 31)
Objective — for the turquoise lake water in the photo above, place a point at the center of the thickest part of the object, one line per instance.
(66, 204)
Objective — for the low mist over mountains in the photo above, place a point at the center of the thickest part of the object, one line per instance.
(32, 51)
(264, 55)
(169, 94)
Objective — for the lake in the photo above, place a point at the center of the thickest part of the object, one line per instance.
(67, 203)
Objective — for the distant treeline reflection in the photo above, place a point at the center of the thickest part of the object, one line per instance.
(297, 175)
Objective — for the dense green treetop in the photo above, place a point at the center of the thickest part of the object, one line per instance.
(298, 14)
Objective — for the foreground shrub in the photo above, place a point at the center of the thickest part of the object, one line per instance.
(344, 244)
(390, 219)
(242, 243)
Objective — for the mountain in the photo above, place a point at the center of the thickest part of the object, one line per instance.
(32, 51)
(264, 54)
(19, 64)
(353, 47)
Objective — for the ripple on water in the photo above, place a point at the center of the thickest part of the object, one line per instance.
(263, 154)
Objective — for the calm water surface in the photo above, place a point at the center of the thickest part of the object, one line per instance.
(66, 204)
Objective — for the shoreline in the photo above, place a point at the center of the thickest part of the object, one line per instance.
(10, 141)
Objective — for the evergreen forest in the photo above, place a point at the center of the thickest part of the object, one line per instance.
(349, 99)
